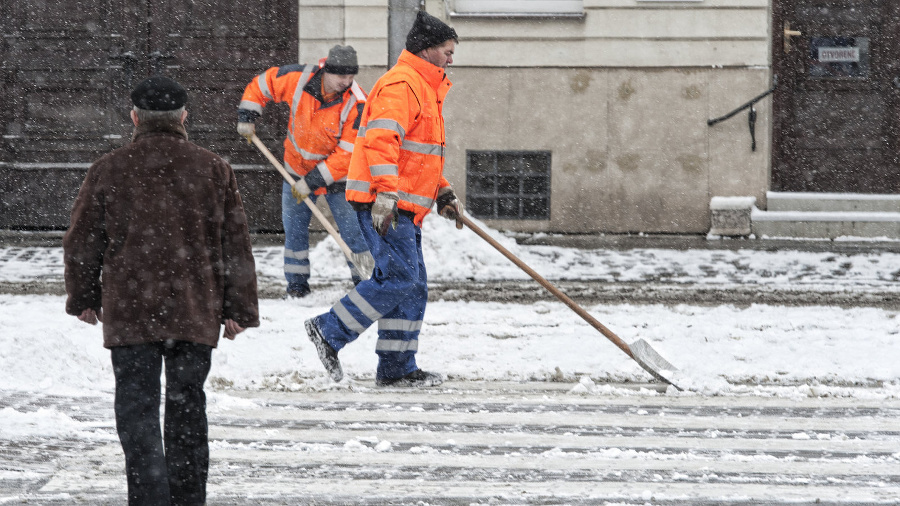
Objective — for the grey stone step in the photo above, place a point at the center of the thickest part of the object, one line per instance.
(825, 224)
(832, 202)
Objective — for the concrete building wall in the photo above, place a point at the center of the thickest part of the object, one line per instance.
(362, 24)
(631, 150)
(620, 97)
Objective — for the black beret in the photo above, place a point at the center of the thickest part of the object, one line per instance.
(428, 31)
(159, 93)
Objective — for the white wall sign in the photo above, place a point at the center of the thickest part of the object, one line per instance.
(839, 54)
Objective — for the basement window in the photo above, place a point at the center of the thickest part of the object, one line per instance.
(508, 185)
(517, 8)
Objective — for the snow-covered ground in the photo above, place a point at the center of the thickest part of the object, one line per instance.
(753, 352)
(720, 349)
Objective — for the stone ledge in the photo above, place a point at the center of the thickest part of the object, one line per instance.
(731, 216)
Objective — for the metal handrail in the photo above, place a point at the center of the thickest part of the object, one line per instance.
(751, 119)
(748, 104)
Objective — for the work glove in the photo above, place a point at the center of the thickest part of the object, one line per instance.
(246, 129)
(300, 190)
(449, 206)
(384, 212)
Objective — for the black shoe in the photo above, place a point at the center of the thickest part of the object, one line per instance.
(417, 378)
(296, 293)
(327, 355)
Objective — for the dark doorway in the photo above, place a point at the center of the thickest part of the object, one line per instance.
(68, 67)
(835, 124)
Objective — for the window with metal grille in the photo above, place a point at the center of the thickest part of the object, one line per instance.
(508, 185)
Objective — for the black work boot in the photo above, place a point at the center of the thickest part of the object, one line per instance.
(327, 355)
(296, 292)
(417, 378)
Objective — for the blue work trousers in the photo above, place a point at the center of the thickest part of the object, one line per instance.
(395, 297)
(296, 217)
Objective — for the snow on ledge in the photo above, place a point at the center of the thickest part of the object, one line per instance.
(842, 216)
(829, 196)
(731, 203)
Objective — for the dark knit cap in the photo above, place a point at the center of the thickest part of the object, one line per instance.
(428, 31)
(341, 60)
(159, 93)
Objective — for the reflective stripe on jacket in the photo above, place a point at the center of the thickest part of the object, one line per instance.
(320, 135)
(400, 146)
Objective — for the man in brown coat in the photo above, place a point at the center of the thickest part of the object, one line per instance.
(158, 250)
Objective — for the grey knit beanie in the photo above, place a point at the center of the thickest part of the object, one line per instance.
(341, 60)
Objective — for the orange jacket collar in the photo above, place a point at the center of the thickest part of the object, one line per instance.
(432, 74)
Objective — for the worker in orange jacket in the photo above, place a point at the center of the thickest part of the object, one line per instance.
(396, 176)
(325, 106)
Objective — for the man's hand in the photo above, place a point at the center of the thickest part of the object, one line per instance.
(384, 212)
(246, 129)
(90, 316)
(232, 329)
(449, 206)
(300, 190)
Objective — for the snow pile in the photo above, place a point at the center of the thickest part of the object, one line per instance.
(459, 255)
(14, 424)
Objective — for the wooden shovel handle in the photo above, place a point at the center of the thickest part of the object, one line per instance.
(315, 210)
(546, 284)
(274, 161)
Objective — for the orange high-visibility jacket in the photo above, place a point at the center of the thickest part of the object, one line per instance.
(400, 146)
(320, 135)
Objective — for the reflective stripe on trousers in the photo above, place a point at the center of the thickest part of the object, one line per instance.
(395, 297)
(296, 217)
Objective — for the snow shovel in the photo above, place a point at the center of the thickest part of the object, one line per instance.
(640, 351)
(354, 260)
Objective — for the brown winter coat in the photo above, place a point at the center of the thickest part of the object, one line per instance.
(159, 240)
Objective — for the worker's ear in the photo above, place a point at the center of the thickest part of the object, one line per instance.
(134, 118)
(183, 115)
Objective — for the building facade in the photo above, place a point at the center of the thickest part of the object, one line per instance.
(591, 116)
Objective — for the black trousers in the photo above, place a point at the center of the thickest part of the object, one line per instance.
(168, 468)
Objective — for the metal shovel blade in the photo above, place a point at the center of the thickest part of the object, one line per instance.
(653, 362)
